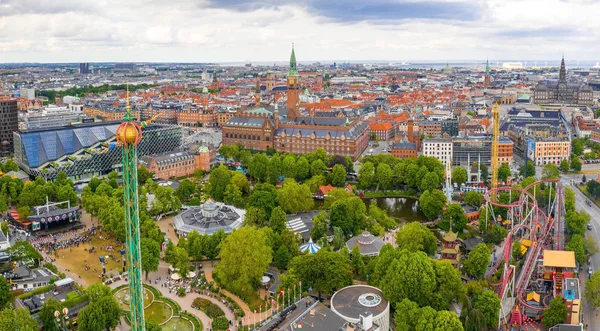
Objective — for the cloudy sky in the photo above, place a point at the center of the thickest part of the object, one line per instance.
(263, 30)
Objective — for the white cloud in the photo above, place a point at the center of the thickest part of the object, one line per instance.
(188, 30)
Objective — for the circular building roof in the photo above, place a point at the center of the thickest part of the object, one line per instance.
(366, 238)
(353, 301)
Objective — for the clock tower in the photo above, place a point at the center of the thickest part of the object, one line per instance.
(293, 87)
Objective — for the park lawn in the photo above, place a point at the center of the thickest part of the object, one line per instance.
(76, 259)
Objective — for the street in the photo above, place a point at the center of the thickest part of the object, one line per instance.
(589, 316)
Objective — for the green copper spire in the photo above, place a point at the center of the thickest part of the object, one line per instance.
(487, 67)
(128, 116)
(293, 69)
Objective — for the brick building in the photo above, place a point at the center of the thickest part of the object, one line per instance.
(286, 130)
(404, 150)
(177, 164)
(382, 131)
(109, 115)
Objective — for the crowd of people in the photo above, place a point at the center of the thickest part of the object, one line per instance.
(50, 244)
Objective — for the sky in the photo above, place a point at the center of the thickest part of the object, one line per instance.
(322, 30)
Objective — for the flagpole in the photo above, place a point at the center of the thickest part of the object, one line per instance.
(300, 288)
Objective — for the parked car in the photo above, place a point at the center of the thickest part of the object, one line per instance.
(589, 226)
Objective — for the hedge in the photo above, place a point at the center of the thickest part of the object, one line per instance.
(196, 321)
(208, 307)
(220, 323)
(38, 290)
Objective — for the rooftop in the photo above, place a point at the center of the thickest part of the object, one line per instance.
(356, 300)
(560, 259)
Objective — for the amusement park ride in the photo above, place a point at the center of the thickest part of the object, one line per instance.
(129, 135)
(527, 221)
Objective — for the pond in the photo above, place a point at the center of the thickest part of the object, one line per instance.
(123, 298)
(178, 324)
(402, 209)
(158, 311)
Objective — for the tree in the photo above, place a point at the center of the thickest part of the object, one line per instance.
(47, 314)
(274, 170)
(383, 176)
(143, 175)
(150, 251)
(24, 252)
(592, 290)
(432, 203)
(302, 168)
(504, 172)
(264, 196)
(477, 261)
(555, 314)
(576, 164)
(18, 319)
(488, 303)
(338, 238)
(103, 314)
(516, 250)
(484, 172)
(95, 292)
(530, 170)
(349, 214)
(294, 197)
(218, 181)
(449, 286)
(320, 226)
(258, 167)
(429, 182)
(366, 175)
(238, 179)
(338, 175)
(179, 258)
(5, 295)
(151, 325)
(590, 244)
(576, 222)
(416, 237)
(593, 188)
(564, 165)
(277, 221)
(185, 190)
(23, 212)
(473, 199)
(317, 168)
(550, 170)
(288, 166)
(358, 264)
(576, 244)
(446, 320)
(282, 257)
(233, 196)
(455, 215)
(334, 271)
(245, 256)
(459, 175)
(577, 146)
(569, 199)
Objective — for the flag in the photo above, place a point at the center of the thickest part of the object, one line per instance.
(282, 292)
(300, 283)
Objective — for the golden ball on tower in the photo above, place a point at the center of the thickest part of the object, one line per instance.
(128, 133)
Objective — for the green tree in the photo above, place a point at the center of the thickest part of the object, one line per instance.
(258, 167)
(430, 182)
(577, 146)
(432, 203)
(334, 271)
(358, 264)
(18, 319)
(576, 244)
(233, 196)
(459, 175)
(489, 304)
(409, 276)
(218, 181)
(504, 172)
(317, 168)
(103, 314)
(143, 175)
(349, 214)
(151, 325)
(449, 286)
(238, 179)
(455, 215)
(416, 237)
(294, 197)
(185, 190)
(556, 313)
(338, 175)
(473, 199)
(255, 217)
(320, 226)
(576, 164)
(277, 221)
(576, 222)
(179, 258)
(24, 252)
(245, 256)
(5, 295)
(150, 251)
(302, 168)
(282, 257)
(550, 170)
(264, 196)
(383, 176)
(516, 250)
(477, 262)
(569, 199)
(592, 290)
(564, 165)
(446, 320)
(95, 292)
(366, 175)
(47, 314)
(530, 170)
(338, 238)
(288, 166)
(591, 246)
(274, 170)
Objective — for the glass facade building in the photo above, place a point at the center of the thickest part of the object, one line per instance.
(85, 150)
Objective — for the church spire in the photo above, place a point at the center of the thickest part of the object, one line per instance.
(487, 67)
(293, 68)
(562, 76)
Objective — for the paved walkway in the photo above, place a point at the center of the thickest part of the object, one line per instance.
(185, 302)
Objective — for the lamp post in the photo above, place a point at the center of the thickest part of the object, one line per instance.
(62, 319)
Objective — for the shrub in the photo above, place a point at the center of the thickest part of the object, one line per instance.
(211, 310)
(181, 292)
(220, 323)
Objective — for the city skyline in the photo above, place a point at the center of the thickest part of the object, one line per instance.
(261, 31)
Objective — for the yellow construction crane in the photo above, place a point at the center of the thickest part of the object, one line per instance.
(495, 137)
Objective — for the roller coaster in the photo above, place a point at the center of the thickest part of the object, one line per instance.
(540, 227)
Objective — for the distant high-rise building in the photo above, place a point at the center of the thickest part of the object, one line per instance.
(125, 66)
(84, 68)
(9, 123)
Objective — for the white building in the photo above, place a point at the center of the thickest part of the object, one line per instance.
(28, 93)
(440, 148)
(362, 304)
(4, 242)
